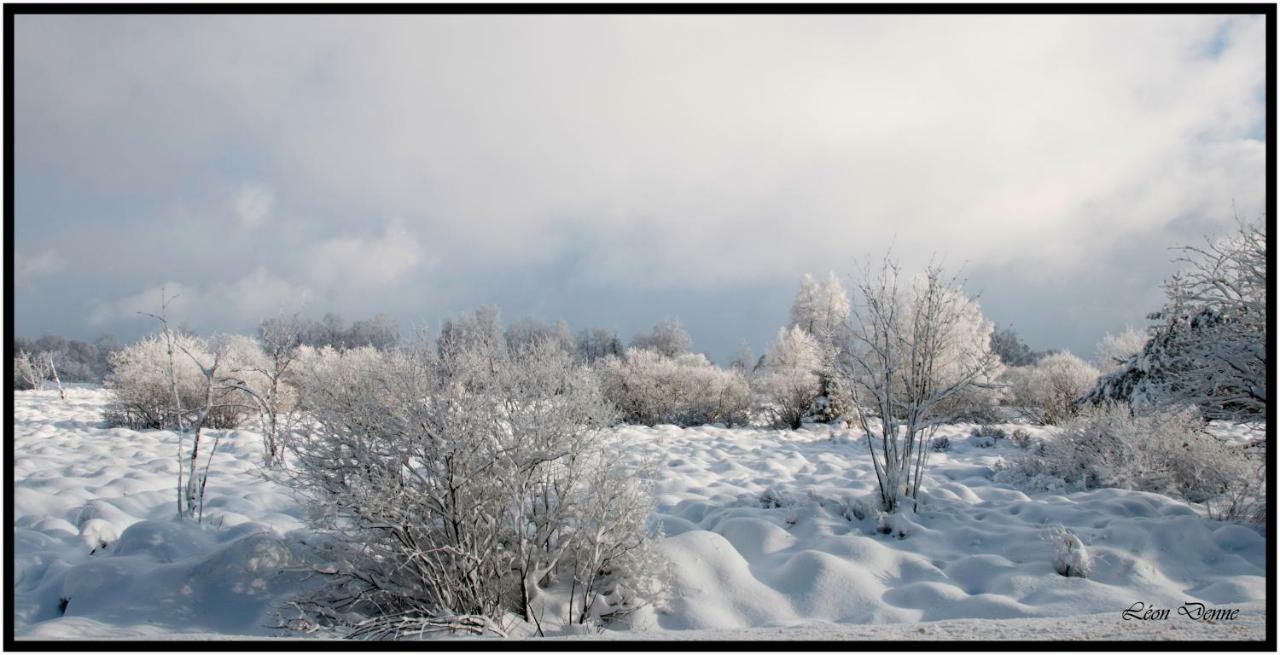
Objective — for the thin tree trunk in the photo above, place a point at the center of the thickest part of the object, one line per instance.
(53, 370)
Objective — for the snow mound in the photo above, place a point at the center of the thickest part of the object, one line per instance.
(769, 534)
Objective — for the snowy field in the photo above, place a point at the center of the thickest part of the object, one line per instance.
(765, 531)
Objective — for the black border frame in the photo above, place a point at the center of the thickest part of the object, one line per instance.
(12, 10)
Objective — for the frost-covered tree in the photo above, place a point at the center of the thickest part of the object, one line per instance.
(790, 381)
(1115, 350)
(668, 338)
(1207, 345)
(744, 360)
(378, 332)
(912, 348)
(804, 308)
(1012, 351)
(522, 332)
(479, 331)
(1046, 392)
(73, 360)
(463, 485)
(595, 344)
(822, 311)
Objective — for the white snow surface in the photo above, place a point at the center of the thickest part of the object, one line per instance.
(768, 534)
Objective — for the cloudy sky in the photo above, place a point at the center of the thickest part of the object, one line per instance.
(616, 170)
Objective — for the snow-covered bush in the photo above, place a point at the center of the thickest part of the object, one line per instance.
(989, 432)
(1047, 391)
(1070, 557)
(940, 444)
(460, 490)
(143, 398)
(790, 381)
(1167, 451)
(650, 388)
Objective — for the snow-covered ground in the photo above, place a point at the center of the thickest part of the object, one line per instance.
(766, 532)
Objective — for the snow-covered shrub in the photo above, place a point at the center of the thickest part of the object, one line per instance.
(460, 489)
(790, 382)
(974, 404)
(1070, 557)
(1047, 391)
(988, 432)
(1021, 438)
(1167, 451)
(650, 388)
(143, 398)
(940, 444)
(773, 498)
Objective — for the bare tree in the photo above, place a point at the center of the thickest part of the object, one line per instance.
(53, 372)
(908, 351)
(163, 318)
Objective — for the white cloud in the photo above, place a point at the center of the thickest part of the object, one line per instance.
(252, 204)
(355, 263)
(28, 267)
(222, 305)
